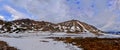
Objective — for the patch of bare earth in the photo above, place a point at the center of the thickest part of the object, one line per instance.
(93, 43)
(5, 46)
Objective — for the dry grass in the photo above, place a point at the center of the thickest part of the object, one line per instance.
(93, 43)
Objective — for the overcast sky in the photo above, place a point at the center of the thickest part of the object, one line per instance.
(104, 14)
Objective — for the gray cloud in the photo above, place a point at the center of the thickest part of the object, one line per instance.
(50, 10)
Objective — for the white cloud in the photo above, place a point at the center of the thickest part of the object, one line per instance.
(48, 10)
(15, 14)
(108, 19)
(2, 17)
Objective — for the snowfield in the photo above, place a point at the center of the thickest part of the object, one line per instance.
(40, 40)
(37, 44)
(33, 41)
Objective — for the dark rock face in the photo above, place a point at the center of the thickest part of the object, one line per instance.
(72, 26)
(1, 22)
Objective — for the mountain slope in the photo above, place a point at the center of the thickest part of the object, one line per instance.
(78, 26)
(22, 25)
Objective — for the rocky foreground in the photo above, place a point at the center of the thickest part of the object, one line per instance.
(5, 46)
(93, 43)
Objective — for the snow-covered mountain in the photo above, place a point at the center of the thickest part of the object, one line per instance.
(22, 25)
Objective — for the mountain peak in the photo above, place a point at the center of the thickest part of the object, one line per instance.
(71, 26)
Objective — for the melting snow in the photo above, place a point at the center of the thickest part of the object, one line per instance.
(37, 44)
(38, 40)
(31, 41)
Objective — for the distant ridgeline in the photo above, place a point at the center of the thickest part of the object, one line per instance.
(113, 32)
(22, 25)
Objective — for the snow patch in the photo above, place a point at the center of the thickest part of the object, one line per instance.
(37, 44)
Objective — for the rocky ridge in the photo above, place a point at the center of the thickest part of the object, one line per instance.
(22, 25)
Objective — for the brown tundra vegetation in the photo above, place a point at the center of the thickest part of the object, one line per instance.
(5, 46)
(93, 43)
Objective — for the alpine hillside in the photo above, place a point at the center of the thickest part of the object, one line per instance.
(22, 25)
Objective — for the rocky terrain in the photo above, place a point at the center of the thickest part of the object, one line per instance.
(5, 46)
(22, 25)
(92, 43)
